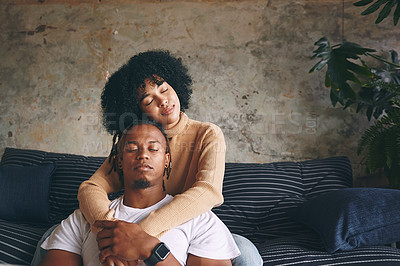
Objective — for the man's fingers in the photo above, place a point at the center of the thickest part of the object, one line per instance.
(105, 233)
(104, 243)
(105, 224)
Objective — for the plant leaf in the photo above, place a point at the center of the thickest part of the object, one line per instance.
(340, 69)
(381, 142)
(385, 11)
(360, 70)
(352, 50)
(363, 2)
(372, 8)
(377, 96)
(369, 112)
(333, 96)
(318, 66)
(396, 14)
(328, 82)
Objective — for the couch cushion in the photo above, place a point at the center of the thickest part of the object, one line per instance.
(24, 192)
(308, 250)
(18, 242)
(353, 217)
(257, 197)
(70, 172)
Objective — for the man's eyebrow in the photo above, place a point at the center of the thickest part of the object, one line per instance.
(151, 141)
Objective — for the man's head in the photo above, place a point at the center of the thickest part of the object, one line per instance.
(123, 92)
(143, 155)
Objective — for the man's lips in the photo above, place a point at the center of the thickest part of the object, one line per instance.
(143, 167)
(168, 110)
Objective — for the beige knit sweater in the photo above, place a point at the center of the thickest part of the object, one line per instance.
(198, 164)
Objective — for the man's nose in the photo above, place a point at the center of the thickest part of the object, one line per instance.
(142, 155)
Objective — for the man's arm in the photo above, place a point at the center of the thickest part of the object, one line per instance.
(61, 258)
(117, 235)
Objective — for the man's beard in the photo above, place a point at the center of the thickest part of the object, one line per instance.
(141, 184)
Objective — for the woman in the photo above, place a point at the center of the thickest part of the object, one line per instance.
(156, 85)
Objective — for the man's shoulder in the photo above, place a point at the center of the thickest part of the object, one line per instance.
(204, 222)
(115, 202)
(77, 218)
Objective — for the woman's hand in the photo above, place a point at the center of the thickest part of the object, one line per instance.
(124, 240)
(114, 261)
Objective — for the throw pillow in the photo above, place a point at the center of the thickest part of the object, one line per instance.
(353, 217)
(24, 192)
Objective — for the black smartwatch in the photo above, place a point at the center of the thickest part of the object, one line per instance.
(159, 253)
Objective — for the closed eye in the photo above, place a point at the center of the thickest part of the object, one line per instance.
(131, 147)
(147, 104)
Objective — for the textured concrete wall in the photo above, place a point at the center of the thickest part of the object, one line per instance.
(249, 61)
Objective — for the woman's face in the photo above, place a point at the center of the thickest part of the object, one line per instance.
(160, 103)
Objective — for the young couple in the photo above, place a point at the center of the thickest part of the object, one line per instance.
(156, 85)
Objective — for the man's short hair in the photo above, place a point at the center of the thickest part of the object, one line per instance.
(118, 147)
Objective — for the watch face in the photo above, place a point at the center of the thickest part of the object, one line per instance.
(162, 251)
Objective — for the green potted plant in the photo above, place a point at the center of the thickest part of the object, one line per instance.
(373, 89)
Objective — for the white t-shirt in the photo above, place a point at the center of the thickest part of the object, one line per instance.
(204, 236)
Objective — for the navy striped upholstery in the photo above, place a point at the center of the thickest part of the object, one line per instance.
(18, 242)
(257, 197)
(71, 170)
(308, 250)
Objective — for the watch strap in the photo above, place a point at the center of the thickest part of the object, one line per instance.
(159, 253)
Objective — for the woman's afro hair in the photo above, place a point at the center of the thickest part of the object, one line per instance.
(119, 99)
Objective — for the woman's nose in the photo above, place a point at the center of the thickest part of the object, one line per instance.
(164, 102)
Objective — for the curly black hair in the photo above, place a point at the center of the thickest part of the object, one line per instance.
(119, 100)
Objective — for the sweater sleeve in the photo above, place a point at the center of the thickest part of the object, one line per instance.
(205, 193)
(92, 194)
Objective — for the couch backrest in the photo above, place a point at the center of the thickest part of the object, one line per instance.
(258, 196)
(71, 171)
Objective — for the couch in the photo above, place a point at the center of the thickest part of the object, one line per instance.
(262, 203)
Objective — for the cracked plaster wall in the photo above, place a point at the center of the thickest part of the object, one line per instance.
(249, 61)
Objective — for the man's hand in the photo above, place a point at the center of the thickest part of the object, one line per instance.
(124, 240)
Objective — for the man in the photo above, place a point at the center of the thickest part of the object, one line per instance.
(143, 160)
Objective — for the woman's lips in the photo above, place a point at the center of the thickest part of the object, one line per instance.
(168, 110)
